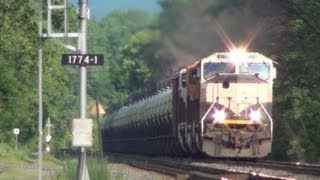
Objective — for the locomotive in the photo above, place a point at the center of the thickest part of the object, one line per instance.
(219, 106)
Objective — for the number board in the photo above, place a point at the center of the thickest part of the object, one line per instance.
(82, 59)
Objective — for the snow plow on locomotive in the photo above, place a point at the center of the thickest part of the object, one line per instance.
(220, 106)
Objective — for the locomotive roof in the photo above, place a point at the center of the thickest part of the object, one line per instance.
(227, 56)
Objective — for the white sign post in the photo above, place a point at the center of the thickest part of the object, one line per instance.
(82, 132)
(16, 132)
(48, 137)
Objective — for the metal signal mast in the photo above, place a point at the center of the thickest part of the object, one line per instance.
(83, 15)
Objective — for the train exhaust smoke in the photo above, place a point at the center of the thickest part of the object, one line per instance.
(202, 27)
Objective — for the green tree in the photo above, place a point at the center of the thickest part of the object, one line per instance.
(296, 94)
(19, 76)
(138, 59)
(108, 36)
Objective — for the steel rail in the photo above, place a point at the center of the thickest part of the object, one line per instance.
(183, 167)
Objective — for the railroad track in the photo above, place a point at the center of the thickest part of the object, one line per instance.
(182, 168)
(296, 168)
(288, 170)
(272, 169)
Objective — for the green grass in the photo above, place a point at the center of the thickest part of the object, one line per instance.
(10, 155)
(68, 168)
(23, 174)
(97, 170)
(67, 172)
(23, 156)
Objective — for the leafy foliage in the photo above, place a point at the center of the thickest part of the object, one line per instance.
(18, 70)
(110, 36)
(19, 76)
(296, 92)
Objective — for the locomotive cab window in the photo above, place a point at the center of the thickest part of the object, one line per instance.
(194, 76)
(263, 69)
(184, 80)
(212, 68)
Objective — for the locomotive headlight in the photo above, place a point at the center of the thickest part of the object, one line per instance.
(238, 55)
(255, 116)
(219, 116)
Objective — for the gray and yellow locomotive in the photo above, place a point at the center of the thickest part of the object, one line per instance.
(220, 106)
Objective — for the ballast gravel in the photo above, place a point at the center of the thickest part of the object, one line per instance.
(120, 171)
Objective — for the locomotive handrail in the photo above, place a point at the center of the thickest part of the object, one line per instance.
(204, 116)
(269, 117)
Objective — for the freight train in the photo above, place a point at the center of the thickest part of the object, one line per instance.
(219, 106)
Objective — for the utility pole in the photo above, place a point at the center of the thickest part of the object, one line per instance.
(49, 35)
(99, 131)
(82, 130)
(40, 91)
(82, 171)
(16, 132)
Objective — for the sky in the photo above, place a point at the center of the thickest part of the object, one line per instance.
(100, 8)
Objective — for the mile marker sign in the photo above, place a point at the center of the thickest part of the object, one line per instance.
(82, 59)
(16, 131)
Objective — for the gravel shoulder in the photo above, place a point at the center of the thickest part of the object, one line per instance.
(121, 171)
